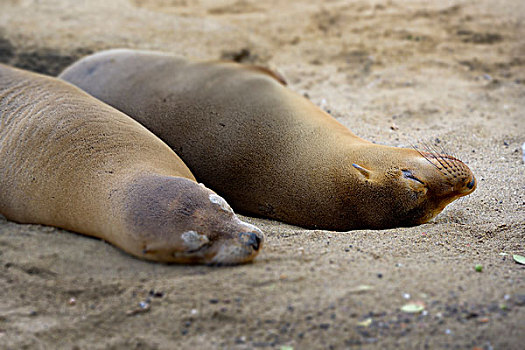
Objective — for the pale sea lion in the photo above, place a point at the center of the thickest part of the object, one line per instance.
(267, 150)
(70, 161)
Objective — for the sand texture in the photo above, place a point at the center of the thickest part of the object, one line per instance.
(445, 73)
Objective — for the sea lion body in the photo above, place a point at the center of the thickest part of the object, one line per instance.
(267, 150)
(70, 161)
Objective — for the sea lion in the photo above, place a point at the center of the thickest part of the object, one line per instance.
(70, 161)
(266, 149)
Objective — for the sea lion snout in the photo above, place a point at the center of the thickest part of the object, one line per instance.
(241, 246)
(456, 174)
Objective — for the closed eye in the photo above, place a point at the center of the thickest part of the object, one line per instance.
(408, 174)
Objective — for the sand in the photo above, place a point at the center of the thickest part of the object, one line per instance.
(445, 73)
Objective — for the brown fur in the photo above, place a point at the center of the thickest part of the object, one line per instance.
(70, 161)
(267, 150)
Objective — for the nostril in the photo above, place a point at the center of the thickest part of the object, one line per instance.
(253, 240)
(256, 244)
(471, 184)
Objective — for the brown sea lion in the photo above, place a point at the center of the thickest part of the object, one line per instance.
(70, 161)
(268, 150)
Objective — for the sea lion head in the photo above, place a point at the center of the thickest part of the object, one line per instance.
(178, 220)
(410, 187)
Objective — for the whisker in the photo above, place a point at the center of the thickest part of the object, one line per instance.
(453, 155)
(442, 150)
(434, 148)
(434, 154)
(446, 162)
(441, 156)
(422, 154)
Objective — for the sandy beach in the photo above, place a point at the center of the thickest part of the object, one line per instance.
(450, 74)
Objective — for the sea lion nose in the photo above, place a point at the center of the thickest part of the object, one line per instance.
(252, 239)
(471, 184)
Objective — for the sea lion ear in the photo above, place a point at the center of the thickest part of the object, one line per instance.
(365, 172)
(277, 76)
